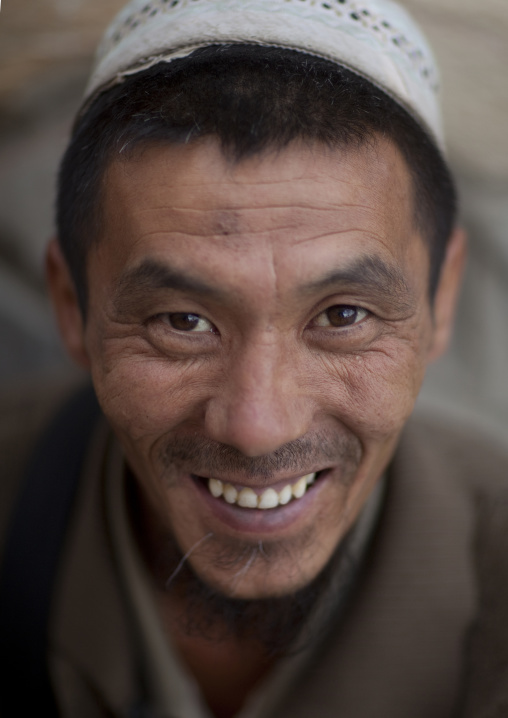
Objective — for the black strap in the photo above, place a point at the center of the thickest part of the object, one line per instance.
(34, 540)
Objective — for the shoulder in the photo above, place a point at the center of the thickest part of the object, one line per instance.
(25, 411)
(462, 453)
(487, 668)
(476, 464)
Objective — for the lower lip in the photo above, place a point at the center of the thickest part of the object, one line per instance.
(262, 521)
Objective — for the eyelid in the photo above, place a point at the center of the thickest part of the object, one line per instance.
(164, 317)
(362, 313)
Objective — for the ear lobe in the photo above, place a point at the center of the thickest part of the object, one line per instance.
(65, 304)
(447, 293)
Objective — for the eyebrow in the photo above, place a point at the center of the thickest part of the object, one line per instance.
(368, 275)
(151, 276)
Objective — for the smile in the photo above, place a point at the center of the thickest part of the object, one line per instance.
(269, 499)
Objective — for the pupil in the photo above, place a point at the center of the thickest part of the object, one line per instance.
(184, 322)
(341, 316)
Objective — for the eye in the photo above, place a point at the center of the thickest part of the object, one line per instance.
(184, 322)
(340, 315)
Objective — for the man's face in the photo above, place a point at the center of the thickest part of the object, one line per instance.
(255, 323)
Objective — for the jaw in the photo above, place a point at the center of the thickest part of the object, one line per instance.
(199, 611)
(250, 553)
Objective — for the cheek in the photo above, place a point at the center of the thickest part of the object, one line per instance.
(374, 392)
(144, 397)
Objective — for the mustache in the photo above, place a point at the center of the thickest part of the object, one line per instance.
(205, 457)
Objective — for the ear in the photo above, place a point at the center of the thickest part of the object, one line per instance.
(65, 303)
(447, 293)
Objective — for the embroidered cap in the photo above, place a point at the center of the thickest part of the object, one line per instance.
(375, 38)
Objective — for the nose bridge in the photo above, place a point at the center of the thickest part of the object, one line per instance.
(259, 407)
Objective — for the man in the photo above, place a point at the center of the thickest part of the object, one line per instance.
(257, 259)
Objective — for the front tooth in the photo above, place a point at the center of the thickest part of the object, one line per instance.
(230, 494)
(215, 487)
(285, 495)
(247, 498)
(299, 488)
(269, 499)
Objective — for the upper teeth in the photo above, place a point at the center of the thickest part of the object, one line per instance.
(269, 499)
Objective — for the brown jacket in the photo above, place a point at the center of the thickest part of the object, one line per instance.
(425, 635)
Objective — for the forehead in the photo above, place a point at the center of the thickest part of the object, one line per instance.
(296, 207)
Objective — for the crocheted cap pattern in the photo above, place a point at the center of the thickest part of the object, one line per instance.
(375, 38)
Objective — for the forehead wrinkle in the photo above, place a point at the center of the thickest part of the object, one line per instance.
(245, 237)
(331, 206)
(337, 232)
(316, 174)
(232, 218)
(242, 225)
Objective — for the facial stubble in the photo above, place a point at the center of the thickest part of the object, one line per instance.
(278, 622)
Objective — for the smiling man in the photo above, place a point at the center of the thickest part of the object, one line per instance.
(257, 260)
(270, 317)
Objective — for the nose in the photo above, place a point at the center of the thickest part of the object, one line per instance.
(259, 405)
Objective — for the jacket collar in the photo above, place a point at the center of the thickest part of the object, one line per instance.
(400, 650)
(90, 639)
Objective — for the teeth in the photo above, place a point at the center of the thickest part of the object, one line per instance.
(215, 487)
(230, 494)
(285, 495)
(248, 499)
(299, 488)
(269, 499)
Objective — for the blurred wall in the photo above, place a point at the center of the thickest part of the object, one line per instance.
(470, 39)
(46, 48)
(45, 52)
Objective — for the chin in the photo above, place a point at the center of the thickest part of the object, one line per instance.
(258, 570)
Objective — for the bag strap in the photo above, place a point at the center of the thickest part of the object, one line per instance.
(32, 552)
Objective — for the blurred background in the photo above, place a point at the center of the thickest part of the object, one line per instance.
(46, 49)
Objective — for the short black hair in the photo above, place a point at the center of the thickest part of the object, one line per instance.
(251, 98)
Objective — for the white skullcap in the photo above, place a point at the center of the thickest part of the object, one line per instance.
(375, 38)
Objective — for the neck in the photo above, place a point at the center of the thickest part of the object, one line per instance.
(226, 666)
(226, 669)
(229, 645)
